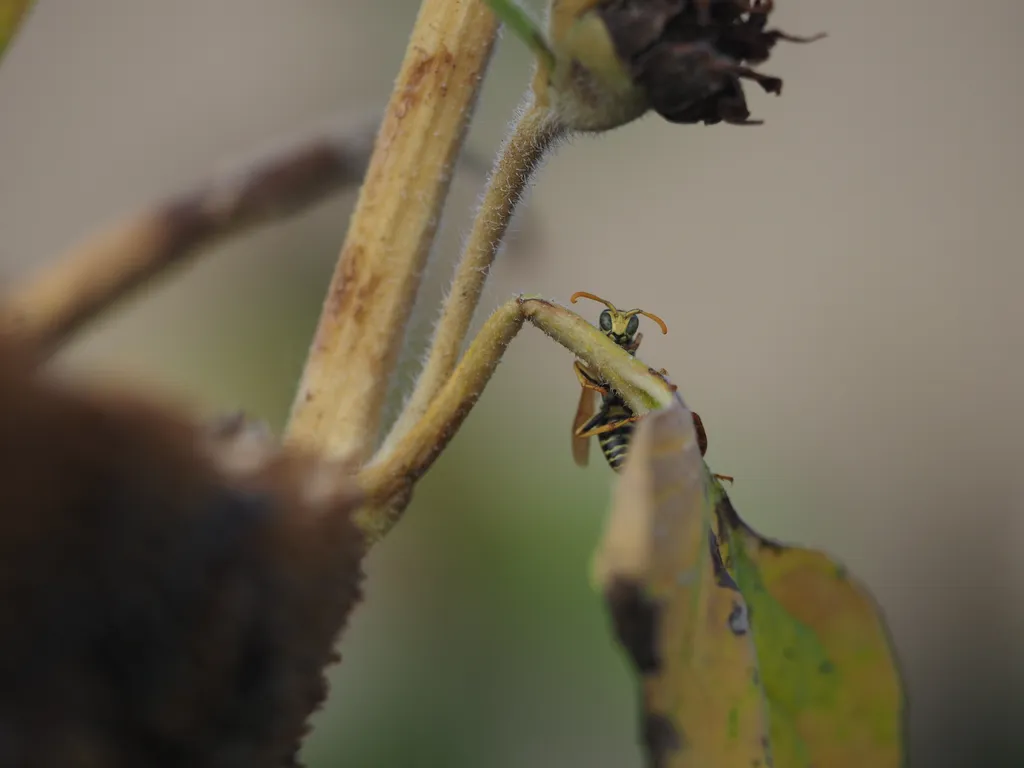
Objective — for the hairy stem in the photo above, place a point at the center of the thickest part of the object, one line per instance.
(533, 135)
(93, 275)
(641, 388)
(355, 348)
(386, 477)
(389, 478)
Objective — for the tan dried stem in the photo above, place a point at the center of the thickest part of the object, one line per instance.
(354, 351)
(50, 307)
(533, 135)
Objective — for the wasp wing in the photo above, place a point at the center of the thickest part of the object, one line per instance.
(584, 412)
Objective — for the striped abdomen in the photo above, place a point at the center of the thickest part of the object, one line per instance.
(615, 444)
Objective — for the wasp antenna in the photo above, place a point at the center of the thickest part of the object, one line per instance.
(655, 318)
(585, 295)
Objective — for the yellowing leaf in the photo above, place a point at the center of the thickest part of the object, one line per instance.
(12, 13)
(676, 609)
(829, 673)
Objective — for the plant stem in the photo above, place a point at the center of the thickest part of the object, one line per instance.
(47, 310)
(340, 398)
(386, 477)
(641, 388)
(12, 15)
(389, 478)
(533, 135)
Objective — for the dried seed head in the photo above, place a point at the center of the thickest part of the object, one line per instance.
(685, 59)
(690, 56)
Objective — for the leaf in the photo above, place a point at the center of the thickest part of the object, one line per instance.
(12, 13)
(515, 17)
(829, 672)
(675, 608)
(805, 679)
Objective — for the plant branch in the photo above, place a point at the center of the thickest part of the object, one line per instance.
(355, 348)
(641, 388)
(533, 135)
(12, 16)
(388, 479)
(48, 309)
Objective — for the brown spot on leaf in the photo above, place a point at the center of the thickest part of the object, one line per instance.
(738, 622)
(722, 576)
(729, 520)
(635, 619)
(661, 738)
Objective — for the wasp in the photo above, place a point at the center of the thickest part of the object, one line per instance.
(612, 422)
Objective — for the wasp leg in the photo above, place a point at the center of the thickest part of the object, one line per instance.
(725, 478)
(587, 431)
(586, 381)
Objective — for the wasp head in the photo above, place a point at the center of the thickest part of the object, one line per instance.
(619, 326)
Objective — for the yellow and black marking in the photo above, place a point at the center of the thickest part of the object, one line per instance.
(613, 422)
(615, 442)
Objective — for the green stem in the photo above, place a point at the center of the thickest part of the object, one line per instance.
(525, 28)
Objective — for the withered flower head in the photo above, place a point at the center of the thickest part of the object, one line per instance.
(690, 56)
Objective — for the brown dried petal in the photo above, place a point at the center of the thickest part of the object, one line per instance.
(161, 603)
(691, 55)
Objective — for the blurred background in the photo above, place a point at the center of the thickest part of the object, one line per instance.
(841, 287)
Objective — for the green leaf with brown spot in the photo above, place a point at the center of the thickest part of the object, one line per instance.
(828, 669)
(12, 14)
(676, 609)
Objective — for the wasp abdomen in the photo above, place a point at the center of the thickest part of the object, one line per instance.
(615, 444)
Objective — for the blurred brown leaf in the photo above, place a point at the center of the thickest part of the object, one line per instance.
(169, 595)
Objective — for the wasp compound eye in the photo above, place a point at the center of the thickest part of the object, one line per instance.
(632, 325)
(606, 321)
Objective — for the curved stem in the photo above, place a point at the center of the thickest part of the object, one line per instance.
(387, 481)
(533, 135)
(101, 270)
(639, 385)
(384, 477)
